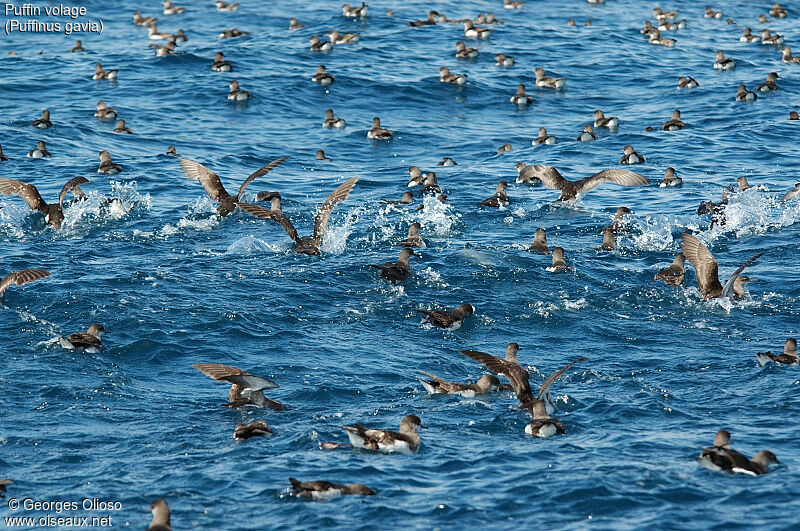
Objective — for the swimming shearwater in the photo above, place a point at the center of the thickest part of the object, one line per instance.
(106, 164)
(503, 60)
(226, 8)
(587, 135)
(43, 122)
(777, 11)
(674, 123)
(670, 179)
(325, 490)
(213, 185)
(306, 244)
(601, 120)
(333, 121)
(608, 239)
(545, 81)
(539, 244)
(558, 263)
(521, 98)
(78, 47)
(707, 270)
(352, 12)
(447, 161)
(687, 82)
(322, 77)
(462, 52)
(722, 457)
(104, 112)
(220, 64)
(448, 319)
(246, 389)
(406, 440)
(768, 84)
(437, 385)
(256, 428)
(742, 94)
(39, 151)
(160, 521)
(724, 63)
(54, 213)
(377, 132)
(413, 239)
(89, 341)
(433, 18)
(446, 77)
(99, 73)
(343, 38)
(552, 179)
(544, 138)
(504, 148)
(235, 93)
(397, 271)
(791, 194)
(742, 183)
(122, 128)
(21, 278)
(321, 156)
(407, 199)
(789, 356)
(319, 45)
(673, 275)
(499, 198)
(630, 156)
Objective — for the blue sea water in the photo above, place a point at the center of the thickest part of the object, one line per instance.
(176, 284)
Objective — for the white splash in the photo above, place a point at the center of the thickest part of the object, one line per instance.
(335, 239)
(250, 245)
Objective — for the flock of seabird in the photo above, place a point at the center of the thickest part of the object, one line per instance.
(248, 389)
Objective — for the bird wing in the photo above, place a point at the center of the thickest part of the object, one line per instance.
(728, 290)
(236, 376)
(529, 172)
(264, 213)
(71, 185)
(210, 180)
(703, 261)
(324, 212)
(555, 376)
(434, 377)
(263, 170)
(549, 175)
(515, 374)
(22, 277)
(28, 192)
(620, 177)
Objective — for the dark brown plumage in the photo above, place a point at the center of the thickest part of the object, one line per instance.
(326, 489)
(21, 277)
(53, 213)
(552, 179)
(672, 275)
(405, 440)
(539, 244)
(160, 521)
(439, 385)
(708, 271)
(89, 340)
(413, 239)
(789, 356)
(246, 388)
(723, 457)
(397, 271)
(306, 244)
(448, 318)
(499, 198)
(213, 185)
(256, 428)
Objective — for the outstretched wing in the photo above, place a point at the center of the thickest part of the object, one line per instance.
(69, 186)
(263, 170)
(703, 261)
(620, 177)
(434, 377)
(515, 374)
(545, 388)
(264, 213)
(324, 212)
(549, 175)
(22, 277)
(728, 290)
(243, 379)
(28, 192)
(210, 180)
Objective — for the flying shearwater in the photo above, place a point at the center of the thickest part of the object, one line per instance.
(306, 244)
(438, 385)
(246, 389)
(89, 341)
(448, 319)
(53, 214)
(325, 490)
(256, 428)
(397, 271)
(406, 440)
(707, 270)
(21, 278)
(213, 185)
(160, 521)
(789, 356)
(722, 457)
(552, 179)
(672, 275)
